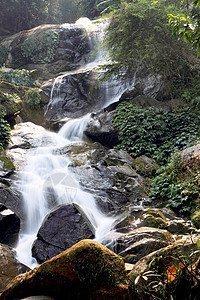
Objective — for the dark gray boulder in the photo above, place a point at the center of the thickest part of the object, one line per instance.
(61, 229)
(100, 129)
(10, 226)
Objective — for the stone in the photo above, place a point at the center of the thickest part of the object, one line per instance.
(9, 266)
(10, 226)
(190, 152)
(6, 165)
(196, 219)
(100, 129)
(61, 229)
(145, 166)
(74, 95)
(87, 270)
(139, 242)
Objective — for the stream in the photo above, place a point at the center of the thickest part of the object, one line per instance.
(48, 172)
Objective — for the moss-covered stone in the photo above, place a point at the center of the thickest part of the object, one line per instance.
(6, 165)
(154, 218)
(196, 219)
(145, 166)
(87, 270)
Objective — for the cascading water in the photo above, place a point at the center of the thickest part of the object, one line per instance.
(48, 173)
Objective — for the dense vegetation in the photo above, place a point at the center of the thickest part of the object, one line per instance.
(154, 132)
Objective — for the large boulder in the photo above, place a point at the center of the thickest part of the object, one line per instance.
(140, 242)
(107, 174)
(73, 95)
(9, 266)
(60, 230)
(87, 270)
(62, 47)
(100, 129)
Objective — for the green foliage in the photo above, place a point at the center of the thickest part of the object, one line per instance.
(17, 77)
(154, 132)
(187, 26)
(177, 185)
(3, 54)
(33, 98)
(139, 34)
(41, 50)
(4, 130)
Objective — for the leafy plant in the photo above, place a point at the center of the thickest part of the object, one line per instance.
(33, 98)
(154, 132)
(177, 185)
(17, 77)
(139, 35)
(42, 49)
(4, 130)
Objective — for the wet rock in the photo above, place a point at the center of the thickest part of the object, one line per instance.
(61, 229)
(107, 174)
(11, 199)
(100, 129)
(87, 270)
(78, 94)
(140, 242)
(9, 266)
(10, 226)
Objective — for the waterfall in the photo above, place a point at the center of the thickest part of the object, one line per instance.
(47, 171)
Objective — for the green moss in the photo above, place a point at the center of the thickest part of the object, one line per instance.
(96, 268)
(196, 219)
(156, 219)
(5, 162)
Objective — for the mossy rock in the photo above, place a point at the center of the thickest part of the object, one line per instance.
(87, 270)
(145, 166)
(196, 219)
(6, 165)
(154, 218)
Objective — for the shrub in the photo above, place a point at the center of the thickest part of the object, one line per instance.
(33, 98)
(17, 77)
(41, 50)
(154, 132)
(177, 185)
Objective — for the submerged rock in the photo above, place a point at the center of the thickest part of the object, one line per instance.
(87, 270)
(61, 229)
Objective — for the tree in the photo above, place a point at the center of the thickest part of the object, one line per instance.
(16, 15)
(188, 26)
(139, 35)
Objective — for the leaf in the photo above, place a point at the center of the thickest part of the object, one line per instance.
(137, 280)
(198, 243)
(171, 273)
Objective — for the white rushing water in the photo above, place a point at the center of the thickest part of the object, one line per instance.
(48, 173)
